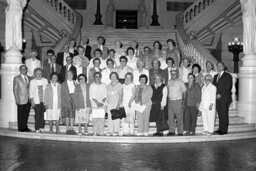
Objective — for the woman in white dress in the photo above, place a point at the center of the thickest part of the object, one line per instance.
(129, 90)
(82, 104)
(52, 102)
(184, 70)
(208, 105)
(119, 51)
(132, 60)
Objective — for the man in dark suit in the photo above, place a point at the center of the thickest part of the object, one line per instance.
(167, 71)
(66, 68)
(50, 65)
(223, 83)
(61, 56)
(21, 95)
(87, 47)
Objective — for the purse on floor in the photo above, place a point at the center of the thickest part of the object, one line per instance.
(118, 113)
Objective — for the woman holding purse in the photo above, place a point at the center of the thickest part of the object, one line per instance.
(115, 97)
(159, 98)
(128, 98)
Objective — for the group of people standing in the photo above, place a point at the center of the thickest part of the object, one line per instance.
(84, 84)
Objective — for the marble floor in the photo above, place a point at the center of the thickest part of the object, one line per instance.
(35, 155)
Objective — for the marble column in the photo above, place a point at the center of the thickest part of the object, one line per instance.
(246, 105)
(11, 62)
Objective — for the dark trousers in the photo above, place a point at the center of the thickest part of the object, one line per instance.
(39, 116)
(222, 107)
(23, 113)
(190, 118)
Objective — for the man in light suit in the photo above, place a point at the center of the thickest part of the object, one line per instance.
(61, 56)
(223, 83)
(32, 63)
(20, 91)
(50, 65)
(100, 45)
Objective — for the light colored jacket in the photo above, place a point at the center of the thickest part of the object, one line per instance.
(20, 90)
(146, 95)
(28, 63)
(48, 96)
(208, 97)
(33, 89)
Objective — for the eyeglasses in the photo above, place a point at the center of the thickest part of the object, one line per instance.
(123, 60)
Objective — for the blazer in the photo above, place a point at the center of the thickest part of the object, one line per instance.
(147, 94)
(33, 89)
(193, 94)
(60, 58)
(20, 90)
(64, 72)
(224, 86)
(28, 63)
(47, 70)
(65, 98)
(87, 52)
(104, 52)
(48, 96)
(208, 97)
(79, 99)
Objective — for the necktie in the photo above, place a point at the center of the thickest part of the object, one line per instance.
(52, 68)
(218, 77)
(26, 80)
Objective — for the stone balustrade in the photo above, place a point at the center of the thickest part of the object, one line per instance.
(63, 9)
(195, 56)
(195, 9)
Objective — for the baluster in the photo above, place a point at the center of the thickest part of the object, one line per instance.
(203, 4)
(208, 2)
(199, 7)
(195, 10)
(69, 17)
(191, 14)
(60, 8)
(186, 16)
(64, 11)
(233, 90)
(56, 2)
(73, 18)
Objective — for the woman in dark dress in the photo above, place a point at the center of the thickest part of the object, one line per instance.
(155, 70)
(159, 99)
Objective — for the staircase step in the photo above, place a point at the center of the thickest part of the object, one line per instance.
(152, 129)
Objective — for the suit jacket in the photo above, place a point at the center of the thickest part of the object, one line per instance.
(104, 52)
(47, 70)
(21, 90)
(87, 52)
(28, 63)
(147, 94)
(60, 58)
(208, 97)
(224, 86)
(64, 72)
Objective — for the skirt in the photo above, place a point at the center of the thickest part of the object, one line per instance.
(69, 112)
(83, 116)
(52, 115)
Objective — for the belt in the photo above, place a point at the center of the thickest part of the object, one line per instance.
(179, 98)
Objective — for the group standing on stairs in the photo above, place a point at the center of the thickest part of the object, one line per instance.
(86, 84)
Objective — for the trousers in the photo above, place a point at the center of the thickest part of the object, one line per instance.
(175, 111)
(190, 118)
(143, 120)
(22, 115)
(39, 116)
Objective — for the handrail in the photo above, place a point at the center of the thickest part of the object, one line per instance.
(195, 9)
(193, 50)
(73, 18)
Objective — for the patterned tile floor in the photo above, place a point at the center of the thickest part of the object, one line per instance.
(37, 155)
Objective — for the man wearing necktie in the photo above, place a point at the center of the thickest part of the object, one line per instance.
(223, 83)
(20, 91)
(50, 65)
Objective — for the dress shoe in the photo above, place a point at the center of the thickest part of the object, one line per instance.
(171, 134)
(26, 130)
(218, 132)
(192, 133)
(180, 134)
(186, 133)
(160, 134)
(223, 133)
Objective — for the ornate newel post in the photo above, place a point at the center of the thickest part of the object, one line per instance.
(98, 15)
(154, 16)
(110, 12)
(12, 60)
(246, 105)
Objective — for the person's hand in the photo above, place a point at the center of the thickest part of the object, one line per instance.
(141, 103)
(218, 96)
(211, 106)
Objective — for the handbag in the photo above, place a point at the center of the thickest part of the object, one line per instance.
(163, 126)
(118, 113)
